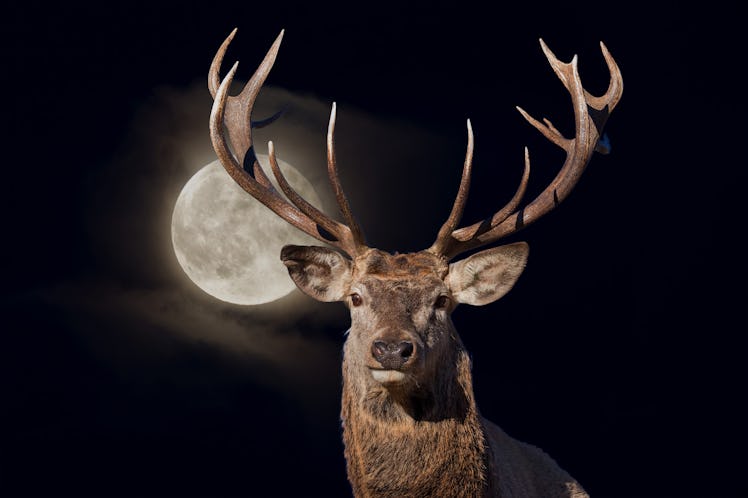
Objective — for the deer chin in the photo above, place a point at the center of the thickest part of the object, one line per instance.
(388, 376)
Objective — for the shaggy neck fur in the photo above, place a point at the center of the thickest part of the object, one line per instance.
(421, 442)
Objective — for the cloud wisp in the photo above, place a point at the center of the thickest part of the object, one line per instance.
(139, 299)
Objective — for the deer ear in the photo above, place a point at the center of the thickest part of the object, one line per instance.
(320, 272)
(486, 276)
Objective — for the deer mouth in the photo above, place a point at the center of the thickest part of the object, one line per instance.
(387, 376)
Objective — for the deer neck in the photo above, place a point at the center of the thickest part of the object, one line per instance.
(427, 443)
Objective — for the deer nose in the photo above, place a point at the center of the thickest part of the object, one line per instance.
(392, 355)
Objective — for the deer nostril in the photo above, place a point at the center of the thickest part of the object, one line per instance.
(379, 350)
(406, 349)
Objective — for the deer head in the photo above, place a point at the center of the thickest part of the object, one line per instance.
(401, 332)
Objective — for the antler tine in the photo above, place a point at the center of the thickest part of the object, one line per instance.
(590, 114)
(214, 80)
(615, 87)
(239, 108)
(328, 224)
(445, 233)
(467, 233)
(234, 113)
(332, 172)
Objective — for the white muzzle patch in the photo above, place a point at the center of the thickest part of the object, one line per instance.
(387, 376)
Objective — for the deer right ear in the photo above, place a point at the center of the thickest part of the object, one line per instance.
(486, 276)
(319, 272)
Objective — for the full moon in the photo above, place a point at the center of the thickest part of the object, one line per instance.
(228, 243)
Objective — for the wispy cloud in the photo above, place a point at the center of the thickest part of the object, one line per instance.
(136, 305)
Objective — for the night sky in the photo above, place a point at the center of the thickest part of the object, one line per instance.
(621, 351)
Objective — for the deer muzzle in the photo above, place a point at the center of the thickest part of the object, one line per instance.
(391, 356)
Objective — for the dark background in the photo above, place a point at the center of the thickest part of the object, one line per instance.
(621, 351)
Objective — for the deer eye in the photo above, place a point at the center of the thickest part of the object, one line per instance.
(356, 299)
(442, 302)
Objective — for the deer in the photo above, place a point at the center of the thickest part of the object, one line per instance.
(410, 423)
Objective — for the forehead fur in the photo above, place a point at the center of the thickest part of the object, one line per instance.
(380, 264)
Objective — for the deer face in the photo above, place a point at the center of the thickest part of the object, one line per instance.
(401, 331)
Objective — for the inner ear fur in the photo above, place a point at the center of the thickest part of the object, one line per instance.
(319, 272)
(486, 276)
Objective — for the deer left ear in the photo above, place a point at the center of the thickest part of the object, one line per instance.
(486, 276)
(319, 272)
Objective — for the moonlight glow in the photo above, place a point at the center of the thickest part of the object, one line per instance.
(228, 243)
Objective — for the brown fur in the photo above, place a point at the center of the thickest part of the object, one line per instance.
(424, 447)
(422, 436)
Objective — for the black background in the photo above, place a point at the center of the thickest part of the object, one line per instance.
(621, 351)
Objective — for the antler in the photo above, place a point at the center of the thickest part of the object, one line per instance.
(234, 114)
(590, 114)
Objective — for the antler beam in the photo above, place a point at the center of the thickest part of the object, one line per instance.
(233, 114)
(590, 114)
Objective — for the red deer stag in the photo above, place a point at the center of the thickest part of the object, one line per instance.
(411, 426)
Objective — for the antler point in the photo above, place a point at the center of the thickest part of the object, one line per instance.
(605, 51)
(333, 117)
(525, 114)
